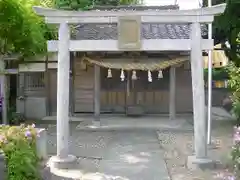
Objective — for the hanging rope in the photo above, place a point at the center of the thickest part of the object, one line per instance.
(144, 66)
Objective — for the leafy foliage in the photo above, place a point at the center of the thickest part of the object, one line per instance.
(88, 4)
(217, 73)
(226, 27)
(235, 153)
(214, 2)
(234, 86)
(15, 118)
(21, 30)
(19, 147)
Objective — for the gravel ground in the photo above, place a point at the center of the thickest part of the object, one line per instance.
(178, 146)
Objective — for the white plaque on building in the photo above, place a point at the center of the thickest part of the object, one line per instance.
(129, 33)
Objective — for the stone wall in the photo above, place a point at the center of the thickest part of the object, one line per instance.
(3, 168)
(32, 107)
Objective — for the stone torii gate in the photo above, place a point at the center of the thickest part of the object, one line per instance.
(195, 45)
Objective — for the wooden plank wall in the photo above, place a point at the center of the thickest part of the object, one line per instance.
(184, 102)
(115, 99)
(153, 101)
(53, 91)
(83, 87)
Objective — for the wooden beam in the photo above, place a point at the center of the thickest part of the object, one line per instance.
(97, 92)
(71, 85)
(33, 67)
(203, 15)
(172, 94)
(3, 84)
(10, 71)
(47, 87)
(144, 19)
(147, 45)
(48, 12)
(21, 89)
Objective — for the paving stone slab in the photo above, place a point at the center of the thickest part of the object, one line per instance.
(134, 156)
(137, 137)
(83, 144)
(137, 150)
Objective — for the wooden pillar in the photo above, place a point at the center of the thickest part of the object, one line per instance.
(3, 80)
(97, 92)
(198, 93)
(172, 96)
(63, 67)
(20, 93)
(71, 87)
(47, 86)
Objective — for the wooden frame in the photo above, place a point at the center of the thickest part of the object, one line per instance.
(47, 87)
(146, 45)
(203, 15)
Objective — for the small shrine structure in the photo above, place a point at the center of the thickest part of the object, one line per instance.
(130, 41)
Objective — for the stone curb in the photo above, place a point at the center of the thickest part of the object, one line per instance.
(3, 167)
(103, 129)
(41, 143)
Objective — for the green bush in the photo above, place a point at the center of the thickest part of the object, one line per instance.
(236, 111)
(18, 144)
(234, 86)
(15, 118)
(235, 153)
(217, 74)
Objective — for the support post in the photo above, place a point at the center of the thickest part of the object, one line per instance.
(4, 98)
(71, 110)
(63, 158)
(209, 112)
(47, 86)
(20, 94)
(3, 80)
(200, 138)
(63, 91)
(172, 97)
(200, 159)
(97, 93)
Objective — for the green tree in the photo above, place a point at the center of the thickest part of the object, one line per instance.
(21, 30)
(88, 4)
(214, 2)
(226, 27)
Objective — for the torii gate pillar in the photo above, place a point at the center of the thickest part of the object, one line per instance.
(195, 45)
(63, 159)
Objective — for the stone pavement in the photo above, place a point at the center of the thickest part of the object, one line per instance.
(123, 122)
(114, 155)
(134, 156)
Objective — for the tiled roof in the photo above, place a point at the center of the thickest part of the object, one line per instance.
(148, 30)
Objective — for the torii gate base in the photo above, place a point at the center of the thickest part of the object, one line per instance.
(195, 45)
(194, 163)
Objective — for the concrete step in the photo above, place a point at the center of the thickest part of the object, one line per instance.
(46, 174)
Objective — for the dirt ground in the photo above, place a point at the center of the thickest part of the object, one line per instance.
(178, 146)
